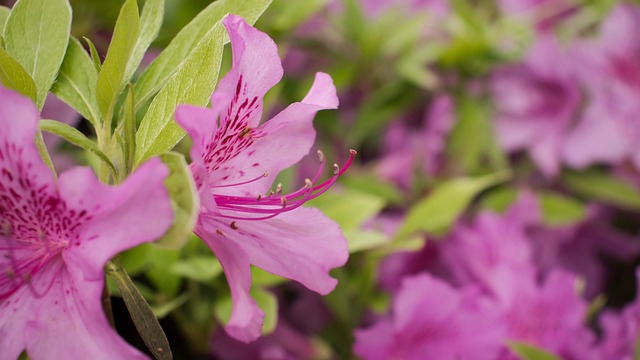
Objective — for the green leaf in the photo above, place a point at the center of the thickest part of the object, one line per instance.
(435, 213)
(171, 59)
(44, 153)
(150, 23)
(95, 57)
(158, 131)
(4, 14)
(129, 130)
(184, 200)
(269, 304)
(263, 278)
(36, 35)
(603, 187)
(498, 200)
(348, 207)
(164, 309)
(530, 352)
(560, 210)
(14, 77)
(75, 137)
(76, 82)
(198, 268)
(143, 317)
(112, 75)
(360, 240)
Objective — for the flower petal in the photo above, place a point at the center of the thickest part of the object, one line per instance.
(302, 245)
(246, 319)
(137, 211)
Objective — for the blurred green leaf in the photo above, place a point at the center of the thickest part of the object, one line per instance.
(75, 137)
(435, 213)
(597, 185)
(262, 278)
(348, 207)
(199, 268)
(360, 240)
(172, 58)
(290, 14)
(164, 309)
(560, 210)
(4, 14)
(150, 23)
(530, 352)
(76, 82)
(158, 131)
(36, 35)
(14, 77)
(369, 183)
(184, 200)
(269, 304)
(498, 200)
(112, 74)
(158, 270)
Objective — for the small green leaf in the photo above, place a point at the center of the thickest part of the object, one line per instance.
(4, 14)
(360, 240)
(348, 207)
(112, 75)
(14, 77)
(436, 213)
(158, 131)
(184, 200)
(269, 304)
(171, 59)
(150, 23)
(198, 268)
(164, 309)
(560, 210)
(95, 57)
(604, 187)
(44, 153)
(143, 317)
(75, 137)
(76, 82)
(129, 130)
(530, 352)
(36, 35)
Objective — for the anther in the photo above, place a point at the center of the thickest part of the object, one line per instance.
(266, 173)
(218, 231)
(270, 193)
(307, 183)
(283, 201)
(320, 156)
(258, 197)
(233, 225)
(336, 169)
(279, 188)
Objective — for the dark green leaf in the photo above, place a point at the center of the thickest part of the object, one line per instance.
(603, 187)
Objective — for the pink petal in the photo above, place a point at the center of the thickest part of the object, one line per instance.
(137, 211)
(302, 245)
(246, 319)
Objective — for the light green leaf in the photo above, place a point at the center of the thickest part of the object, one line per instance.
(95, 57)
(198, 268)
(604, 187)
(560, 210)
(112, 75)
(374, 185)
(188, 39)
(76, 82)
(158, 131)
(436, 213)
(143, 317)
(348, 206)
(184, 200)
(75, 137)
(164, 309)
(129, 130)
(530, 352)
(269, 304)
(14, 77)
(36, 34)
(4, 14)
(260, 277)
(498, 200)
(360, 240)
(150, 23)
(44, 153)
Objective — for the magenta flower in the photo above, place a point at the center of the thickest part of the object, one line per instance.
(235, 160)
(55, 239)
(432, 320)
(536, 101)
(610, 69)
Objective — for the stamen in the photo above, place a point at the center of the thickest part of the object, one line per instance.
(320, 156)
(233, 225)
(264, 175)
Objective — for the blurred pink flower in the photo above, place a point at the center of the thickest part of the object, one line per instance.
(55, 239)
(432, 320)
(235, 160)
(542, 13)
(536, 101)
(610, 69)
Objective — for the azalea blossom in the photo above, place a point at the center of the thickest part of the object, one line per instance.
(56, 237)
(235, 160)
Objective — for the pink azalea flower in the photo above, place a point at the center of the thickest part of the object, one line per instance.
(55, 238)
(536, 101)
(235, 159)
(610, 69)
(432, 320)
